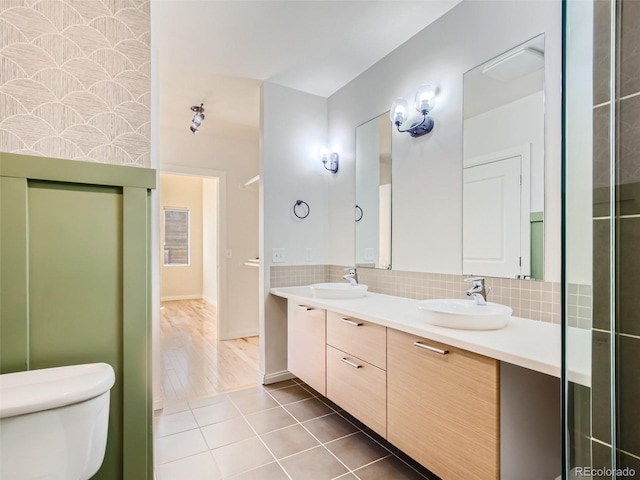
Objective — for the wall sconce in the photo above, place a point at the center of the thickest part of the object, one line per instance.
(197, 118)
(425, 101)
(329, 159)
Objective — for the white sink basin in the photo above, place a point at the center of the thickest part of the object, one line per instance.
(464, 314)
(338, 290)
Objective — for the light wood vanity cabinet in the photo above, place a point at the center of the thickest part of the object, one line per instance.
(356, 364)
(444, 408)
(306, 345)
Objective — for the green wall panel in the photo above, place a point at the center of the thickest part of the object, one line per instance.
(14, 306)
(75, 286)
(537, 245)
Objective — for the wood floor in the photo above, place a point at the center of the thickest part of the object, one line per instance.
(194, 363)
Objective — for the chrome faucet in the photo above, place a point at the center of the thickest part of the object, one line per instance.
(478, 291)
(351, 276)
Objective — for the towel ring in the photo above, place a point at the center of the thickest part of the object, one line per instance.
(358, 218)
(297, 204)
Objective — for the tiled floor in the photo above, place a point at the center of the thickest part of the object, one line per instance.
(277, 432)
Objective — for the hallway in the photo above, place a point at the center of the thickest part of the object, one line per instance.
(194, 363)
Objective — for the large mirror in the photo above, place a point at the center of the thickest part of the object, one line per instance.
(503, 165)
(373, 193)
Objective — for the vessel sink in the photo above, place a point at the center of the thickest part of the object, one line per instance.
(338, 290)
(464, 314)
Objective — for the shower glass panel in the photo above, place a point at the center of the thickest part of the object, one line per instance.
(601, 318)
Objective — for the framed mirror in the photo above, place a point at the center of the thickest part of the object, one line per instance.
(373, 193)
(503, 165)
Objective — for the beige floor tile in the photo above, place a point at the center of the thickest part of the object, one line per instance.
(330, 427)
(290, 394)
(256, 402)
(227, 432)
(308, 409)
(196, 467)
(241, 456)
(175, 423)
(218, 412)
(387, 468)
(314, 464)
(180, 445)
(357, 450)
(288, 441)
(269, 420)
(271, 471)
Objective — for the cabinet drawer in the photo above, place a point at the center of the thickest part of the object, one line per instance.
(358, 387)
(364, 340)
(444, 407)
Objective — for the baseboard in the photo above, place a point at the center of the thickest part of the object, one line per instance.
(180, 297)
(210, 301)
(265, 379)
(158, 404)
(241, 334)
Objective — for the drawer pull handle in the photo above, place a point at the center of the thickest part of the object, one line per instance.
(306, 307)
(351, 322)
(433, 349)
(354, 365)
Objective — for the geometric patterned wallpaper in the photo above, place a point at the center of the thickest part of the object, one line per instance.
(75, 79)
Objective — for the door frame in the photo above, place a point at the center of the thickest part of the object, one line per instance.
(221, 308)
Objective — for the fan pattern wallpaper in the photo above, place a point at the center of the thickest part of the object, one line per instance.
(75, 79)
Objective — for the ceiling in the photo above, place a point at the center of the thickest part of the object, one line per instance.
(482, 93)
(218, 52)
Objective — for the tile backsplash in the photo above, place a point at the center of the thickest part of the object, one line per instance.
(528, 298)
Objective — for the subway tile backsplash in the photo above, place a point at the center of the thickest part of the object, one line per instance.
(528, 298)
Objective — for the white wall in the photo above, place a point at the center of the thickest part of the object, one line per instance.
(182, 281)
(294, 125)
(580, 144)
(427, 171)
(210, 240)
(232, 156)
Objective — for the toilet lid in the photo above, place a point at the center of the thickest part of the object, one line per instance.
(47, 388)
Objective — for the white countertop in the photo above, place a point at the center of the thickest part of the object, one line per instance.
(523, 342)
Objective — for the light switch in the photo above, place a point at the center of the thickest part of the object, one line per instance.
(368, 254)
(308, 255)
(278, 255)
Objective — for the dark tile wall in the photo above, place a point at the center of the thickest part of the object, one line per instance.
(626, 224)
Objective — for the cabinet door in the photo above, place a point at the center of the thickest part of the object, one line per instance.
(359, 388)
(443, 407)
(306, 345)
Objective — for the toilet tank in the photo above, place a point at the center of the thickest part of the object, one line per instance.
(54, 422)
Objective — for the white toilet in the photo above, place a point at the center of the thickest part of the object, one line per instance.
(53, 422)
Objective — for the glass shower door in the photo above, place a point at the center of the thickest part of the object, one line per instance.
(601, 324)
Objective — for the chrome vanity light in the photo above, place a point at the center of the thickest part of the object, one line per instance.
(424, 103)
(330, 160)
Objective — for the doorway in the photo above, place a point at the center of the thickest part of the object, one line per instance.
(195, 358)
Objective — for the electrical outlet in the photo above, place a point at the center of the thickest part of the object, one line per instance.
(368, 254)
(308, 255)
(279, 255)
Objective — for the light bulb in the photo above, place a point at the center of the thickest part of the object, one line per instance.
(425, 98)
(323, 153)
(399, 110)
